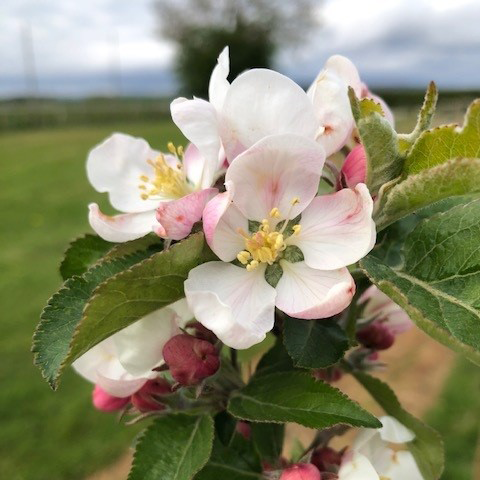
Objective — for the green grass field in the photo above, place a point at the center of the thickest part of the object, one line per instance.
(59, 436)
(44, 194)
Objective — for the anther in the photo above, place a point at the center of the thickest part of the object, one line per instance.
(295, 201)
(275, 212)
(296, 229)
(243, 257)
(171, 148)
(252, 265)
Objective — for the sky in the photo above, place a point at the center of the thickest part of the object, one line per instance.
(79, 45)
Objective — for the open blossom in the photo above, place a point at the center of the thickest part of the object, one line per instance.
(374, 445)
(122, 363)
(290, 247)
(150, 187)
(261, 102)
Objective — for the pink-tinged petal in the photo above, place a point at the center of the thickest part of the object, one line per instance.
(100, 365)
(221, 222)
(356, 466)
(337, 229)
(329, 95)
(354, 169)
(218, 86)
(274, 171)
(304, 292)
(177, 217)
(139, 346)
(193, 163)
(386, 109)
(115, 166)
(344, 68)
(121, 228)
(197, 119)
(238, 306)
(262, 102)
(105, 402)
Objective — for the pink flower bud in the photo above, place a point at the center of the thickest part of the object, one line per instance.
(354, 169)
(105, 402)
(329, 375)
(190, 359)
(376, 336)
(144, 400)
(301, 471)
(324, 458)
(202, 332)
(244, 429)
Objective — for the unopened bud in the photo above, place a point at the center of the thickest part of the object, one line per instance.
(202, 332)
(144, 400)
(105, 402)
(326, 459)
(329, 375)
(244, 429)
(190, 359)
(354, 168)
(301, 471)
(376, 336)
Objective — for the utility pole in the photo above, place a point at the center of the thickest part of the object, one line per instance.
(29, 67)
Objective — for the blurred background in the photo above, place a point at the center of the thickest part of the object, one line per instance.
(72, 72)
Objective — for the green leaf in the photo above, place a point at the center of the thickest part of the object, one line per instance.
(424, 119)
(229, 463)
(297, 397)
(314, 343)
(148, 286)
(384, 161)
(174, 447)
(438, 145)
(149, 242)
(268, 440)
(274, 361)
(458, 176)
(427, 447)
(64, 311)
(438, 283)
(82, 253)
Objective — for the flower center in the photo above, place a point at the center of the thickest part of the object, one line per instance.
(267, 243)
(169, 179)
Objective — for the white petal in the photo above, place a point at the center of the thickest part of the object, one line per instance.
(346, 70)
(304, 292)
(115, 166)
(393, 431)
(369, 443)
(276, 170)
(218, 86)
(337, 229)
(221, 221)
(238, 306)
(403, 466)
(121, 228)
(100, 365)
(139, 346)
(197, 119)
(262, 102)
(356, 467)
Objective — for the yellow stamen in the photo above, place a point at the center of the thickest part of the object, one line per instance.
(243, 257)
(171, 148)
(275, 213)
(296, 229)
(294, 201)
(252, 265)
(167, 180)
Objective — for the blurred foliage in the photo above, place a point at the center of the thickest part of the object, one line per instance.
(253, 29)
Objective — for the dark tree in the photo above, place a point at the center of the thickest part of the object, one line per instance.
(253, 29)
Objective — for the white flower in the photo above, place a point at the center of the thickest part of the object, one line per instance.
(374, 445)
(272, 183)
(124, 362)
(261, 102)
(139, 179)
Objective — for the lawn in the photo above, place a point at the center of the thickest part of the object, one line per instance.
(44, 195)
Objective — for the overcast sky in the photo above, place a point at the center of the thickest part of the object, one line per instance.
(393, 43)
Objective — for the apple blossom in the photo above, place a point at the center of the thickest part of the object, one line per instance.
(301, 471)
(122, 363)
(261, 102)
(373, 444)
(354, 168)
(299, 268)
(379, 308)
(140, 180)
